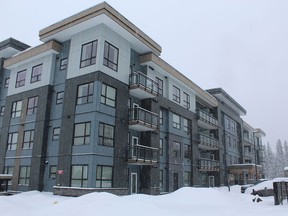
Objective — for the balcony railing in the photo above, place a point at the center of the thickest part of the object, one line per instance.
(208, 119)
(142, 155)
(141, 86)
(142, 120)
(207, 142)
(208, 164)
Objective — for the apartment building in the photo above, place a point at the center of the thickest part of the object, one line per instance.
(94, 106)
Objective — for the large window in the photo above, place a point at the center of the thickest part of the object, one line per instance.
(20, 80)
(59, 97)
(161, 146)
(176, 149)
(63, 64)
(9, 170)
(108, 95)
(187, 151)
(176, 121)
(186, 100)
(186, 125)
(104, 176)
(111, 56)
(24, 175)
(176, 94)
(16, 109)
(28, 139)
(160, 85)
(82, 133)
(106, 134)
(12, 141)
(161, 117)
(79, 176)
(85, 93)
(52, 171)
(187, 179)
(88, 54)
(32, 105)
(36, 73)
(56, 133)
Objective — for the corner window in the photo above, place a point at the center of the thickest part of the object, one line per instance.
(7, 82)
(32, 105)
(79, 176)
(160, 86)
(63, 64)
(176, 94)
(20, 80)
(108, 95)
(12, 141)
(36, 73)
(24, 175)
(104, 176)
(176, 121)
(176, 149)
(85, 93)
(186, 100)
(82, 133)
(106, 135)
(59, 97)
(88, 54)
(28, 139)
(56, 133)
(16, 109)
(111, 56)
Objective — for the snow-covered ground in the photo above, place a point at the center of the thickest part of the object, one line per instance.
(185, 201)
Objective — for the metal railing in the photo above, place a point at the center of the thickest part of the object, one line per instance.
(143, 116)
(208, 141)
(208, 118)
(208, 164)
(140, 79)
(141, 153)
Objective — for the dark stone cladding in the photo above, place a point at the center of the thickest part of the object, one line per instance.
(121, 127)
(11, 42)
(40, 135)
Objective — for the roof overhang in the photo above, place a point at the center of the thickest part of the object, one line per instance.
(259, 132)
(223, 96)
(10, 47)
(101, 13)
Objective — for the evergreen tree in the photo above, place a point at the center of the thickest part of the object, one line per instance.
(286, 153)
(269, 163)
(280, 159)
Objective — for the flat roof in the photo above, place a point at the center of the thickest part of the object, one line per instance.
(151, 57)
(101, 13)
(10, 47)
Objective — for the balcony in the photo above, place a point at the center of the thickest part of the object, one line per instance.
(142, 155)
(208, 165)
(206, 120)
(141, 86)
(207, 142)
(142, 120)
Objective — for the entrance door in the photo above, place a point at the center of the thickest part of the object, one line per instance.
(175, 181)
(135, 142)
(211, 181)
(133, 183)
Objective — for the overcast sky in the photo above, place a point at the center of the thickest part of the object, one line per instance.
(239, 45)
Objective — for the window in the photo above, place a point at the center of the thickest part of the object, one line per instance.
(85, 93)
(160, 86)
(7, 82)
(111, 56)
(228, 123)
(12, 141)
(106, 134)
(24, 175)
(52, 171)
(16, 109)
(32, 105)
(108, 95)
(187, 179)
(176, 121)
(9, 170)
(82, 133)
(20, 80)
(104, 176)
(161, 179)
(161, 117)
(59, 97)
(234, 143)
(233, 126)
(161, 146)
(187, 151)
(176, 149)
(2, 110)
(28, 139)
(88, 54)
(56, 133)
(229, 141)
(36, 73)
(79, 176)
(186, 100)
(185, 125)
(63, 64)
(176, 94)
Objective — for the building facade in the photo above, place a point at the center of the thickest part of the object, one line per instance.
(94, 106)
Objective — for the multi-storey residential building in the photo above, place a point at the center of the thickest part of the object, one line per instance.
(94, 106)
